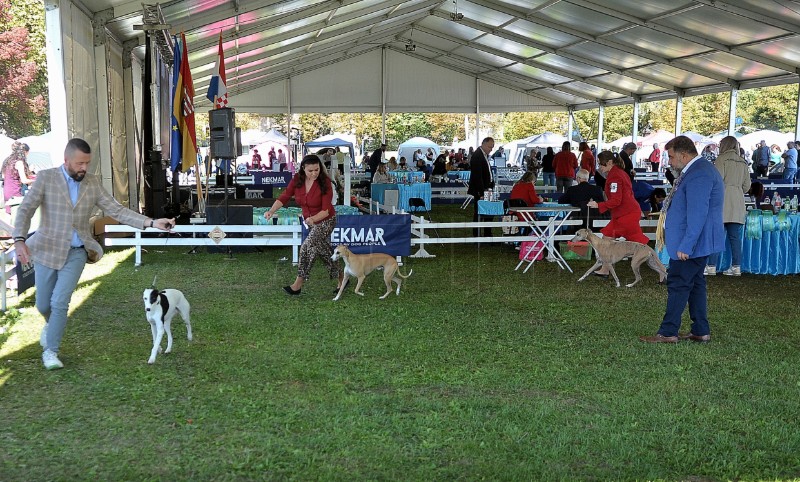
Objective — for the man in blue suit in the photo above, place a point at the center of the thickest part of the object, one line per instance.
(693, 229)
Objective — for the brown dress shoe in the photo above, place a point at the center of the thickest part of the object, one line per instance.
(696, 338)
(659, 339)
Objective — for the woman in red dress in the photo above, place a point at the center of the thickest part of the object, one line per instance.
(524, 189)
(312, 190)
(625, 210)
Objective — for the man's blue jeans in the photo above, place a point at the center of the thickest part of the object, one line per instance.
(54, 288)
(733, 232)
(549, 178)
(789, 174)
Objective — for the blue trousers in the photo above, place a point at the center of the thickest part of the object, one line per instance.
(733, 233)
(54, 288)
(549, 178)
(686, 284)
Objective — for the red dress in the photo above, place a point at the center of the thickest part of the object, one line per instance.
(625, 211)
(313, 201)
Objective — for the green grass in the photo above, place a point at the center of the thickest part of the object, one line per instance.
(475, 371)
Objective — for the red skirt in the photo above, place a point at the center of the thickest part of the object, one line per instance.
(625, 226)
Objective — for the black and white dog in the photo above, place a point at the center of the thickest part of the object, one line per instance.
(160, 307)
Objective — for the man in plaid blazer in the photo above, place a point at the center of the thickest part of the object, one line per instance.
(67, 197)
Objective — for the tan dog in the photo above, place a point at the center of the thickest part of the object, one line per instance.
(360, 265)
(609, 251)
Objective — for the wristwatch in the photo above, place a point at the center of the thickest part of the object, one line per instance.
(151, 222)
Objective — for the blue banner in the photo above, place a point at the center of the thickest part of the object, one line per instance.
(277, 179)
(390, 234)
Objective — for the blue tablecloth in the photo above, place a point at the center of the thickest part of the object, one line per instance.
(407, 191)
(775, 253)
(490, 208)
(377, 191)
(463, 175)
(399, 176)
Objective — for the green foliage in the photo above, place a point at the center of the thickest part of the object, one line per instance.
(772, 108)
(23, 68)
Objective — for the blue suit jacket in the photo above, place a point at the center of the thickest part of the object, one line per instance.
(694, 219)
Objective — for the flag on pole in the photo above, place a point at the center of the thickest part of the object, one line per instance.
(175, 142)
(218, 89)
(183, 112)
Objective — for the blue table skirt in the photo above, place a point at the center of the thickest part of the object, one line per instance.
(377, 191)
(407, 191)
(490, 208)
(775, 253)
(409, 176)
(462, 175)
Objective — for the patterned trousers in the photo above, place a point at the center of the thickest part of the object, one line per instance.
(318, 244)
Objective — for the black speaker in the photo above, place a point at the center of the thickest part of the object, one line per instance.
(238, 141)
(222, 138)
(220, 215)
(155, 186)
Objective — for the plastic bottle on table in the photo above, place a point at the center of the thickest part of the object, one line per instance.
(794, 203)
(777, 202)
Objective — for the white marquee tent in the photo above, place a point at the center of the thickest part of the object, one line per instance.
(407, 148)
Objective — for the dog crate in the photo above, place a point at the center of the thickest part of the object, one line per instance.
(576, 250)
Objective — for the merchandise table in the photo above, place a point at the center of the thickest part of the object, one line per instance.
(410, 176)
(461, 175)
(777, 252)
(407, 191)
(556, 215)
(490, 208)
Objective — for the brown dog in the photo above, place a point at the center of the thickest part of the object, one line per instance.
(609, 251)
(360, 265)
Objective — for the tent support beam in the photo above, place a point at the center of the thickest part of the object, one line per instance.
(797, 121)
(679, 113)
(383, 95)
(635, 128)
(601, 114)
(732, 110)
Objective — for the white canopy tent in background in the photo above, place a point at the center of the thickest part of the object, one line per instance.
(516, 150)
(336, 141)
(46, 151)
(548, 139)
(748, 141)
(271, 139)
(407, 148)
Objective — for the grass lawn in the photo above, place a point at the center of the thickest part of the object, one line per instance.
(475, 371)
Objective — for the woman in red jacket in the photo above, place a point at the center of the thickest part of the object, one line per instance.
(565, 164)
(625, 210)
(312, 190)
(587, 158)
(524, 189)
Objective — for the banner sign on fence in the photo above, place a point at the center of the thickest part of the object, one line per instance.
(277, 179)
(390, 234)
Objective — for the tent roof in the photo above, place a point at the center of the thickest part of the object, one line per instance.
(555, 54)
(419, 142)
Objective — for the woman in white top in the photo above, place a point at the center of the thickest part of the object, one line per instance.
(381, 175)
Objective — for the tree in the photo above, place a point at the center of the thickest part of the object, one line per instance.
(771, 108)
(22, 84)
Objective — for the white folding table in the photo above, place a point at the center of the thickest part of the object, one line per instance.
(545, 230)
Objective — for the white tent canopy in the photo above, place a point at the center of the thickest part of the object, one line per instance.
(516, 150)
(46, 151)
(748, 141)
(547, 139)
(407, 148)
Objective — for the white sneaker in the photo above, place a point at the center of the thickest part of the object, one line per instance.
(733, 271)
(710, 271)
(51, 361)
(43, 337)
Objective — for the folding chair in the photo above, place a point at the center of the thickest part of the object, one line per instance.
(417, 205)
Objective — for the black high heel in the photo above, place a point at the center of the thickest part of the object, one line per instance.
(336, 290)
(289, 290)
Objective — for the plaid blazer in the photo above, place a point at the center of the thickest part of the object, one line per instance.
(50, 244)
